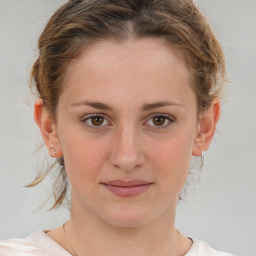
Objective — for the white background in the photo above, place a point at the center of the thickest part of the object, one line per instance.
(222, 208)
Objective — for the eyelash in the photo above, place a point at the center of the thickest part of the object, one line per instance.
(166, 117)
(91, 126)
(88, 117)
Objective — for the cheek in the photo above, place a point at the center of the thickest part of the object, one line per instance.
(83, 158)
(172, 158)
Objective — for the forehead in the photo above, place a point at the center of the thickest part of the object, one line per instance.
(136, 68)
(149, 52)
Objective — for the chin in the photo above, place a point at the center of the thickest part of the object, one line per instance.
(126, 217)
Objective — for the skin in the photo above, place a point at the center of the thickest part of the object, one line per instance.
(128, 144)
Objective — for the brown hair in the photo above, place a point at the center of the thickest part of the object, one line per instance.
(80, 23)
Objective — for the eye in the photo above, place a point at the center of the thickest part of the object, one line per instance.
(160, 121)
(95, 121)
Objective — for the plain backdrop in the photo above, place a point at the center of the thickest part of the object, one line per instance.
(221, 208)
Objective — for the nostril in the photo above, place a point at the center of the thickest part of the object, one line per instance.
(128, 162)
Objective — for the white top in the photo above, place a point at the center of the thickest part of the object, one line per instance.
(39, 243)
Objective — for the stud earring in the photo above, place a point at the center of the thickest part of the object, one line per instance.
(54, 151)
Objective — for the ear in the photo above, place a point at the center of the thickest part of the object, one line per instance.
(206, 128)
(48, 129)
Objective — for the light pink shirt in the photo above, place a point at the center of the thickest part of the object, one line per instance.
(38, 243)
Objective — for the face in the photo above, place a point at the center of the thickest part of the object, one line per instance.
(127, 127)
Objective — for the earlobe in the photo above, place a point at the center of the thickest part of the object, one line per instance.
(47, 128)
(207, 127)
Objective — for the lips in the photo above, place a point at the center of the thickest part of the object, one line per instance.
(127, 188)
(122, 183)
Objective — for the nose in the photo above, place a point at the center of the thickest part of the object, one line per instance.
(126, 153)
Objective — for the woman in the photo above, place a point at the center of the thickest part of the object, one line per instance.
(128, 92)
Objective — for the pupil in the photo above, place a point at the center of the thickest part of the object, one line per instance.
(159, 120)
(97, 120)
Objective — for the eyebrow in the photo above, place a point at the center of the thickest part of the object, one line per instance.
(145, 107)
(94, 104)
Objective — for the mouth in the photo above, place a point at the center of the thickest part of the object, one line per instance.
(127, 188)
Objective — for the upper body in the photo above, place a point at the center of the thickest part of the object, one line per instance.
(39, 243)
(128, 92)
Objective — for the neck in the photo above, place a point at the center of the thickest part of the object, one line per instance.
(92, 236)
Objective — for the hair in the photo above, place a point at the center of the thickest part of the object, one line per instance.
(81, 23)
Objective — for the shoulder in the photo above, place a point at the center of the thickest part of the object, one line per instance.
(200, 248)
(18, 247)
(37, 243)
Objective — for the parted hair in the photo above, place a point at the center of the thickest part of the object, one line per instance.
(80, 23)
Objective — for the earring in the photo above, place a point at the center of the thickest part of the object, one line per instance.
(202, 159)
(54, 151)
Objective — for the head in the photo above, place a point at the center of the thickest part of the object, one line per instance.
(127, 55)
